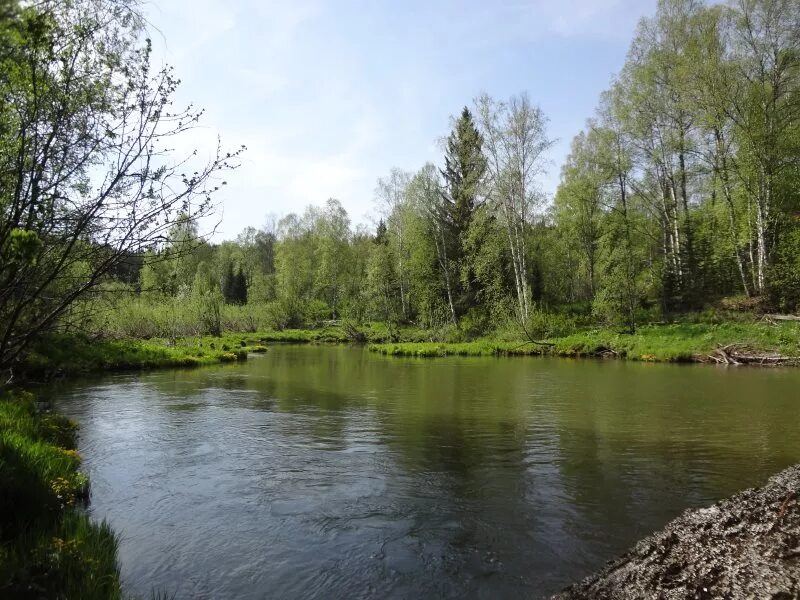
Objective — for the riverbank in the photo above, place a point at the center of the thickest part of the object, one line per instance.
(108, 355)
(69, 356)
(49, 548)
(767, 343)
(75, 355)
(747, 546)
(748, 342)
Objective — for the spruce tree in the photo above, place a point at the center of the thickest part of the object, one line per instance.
(464, 168)
(381, 233)
(240, 288)
(229, 285)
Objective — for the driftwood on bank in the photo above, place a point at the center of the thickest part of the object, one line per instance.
(740, 354)
(353, 333)
(782, 317)
(747, 546)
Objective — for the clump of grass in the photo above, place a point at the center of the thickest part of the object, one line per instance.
(477, 348)
(46, 543)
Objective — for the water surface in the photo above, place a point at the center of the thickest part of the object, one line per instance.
(330, 472)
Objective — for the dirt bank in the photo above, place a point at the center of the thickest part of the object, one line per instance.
(747, 546)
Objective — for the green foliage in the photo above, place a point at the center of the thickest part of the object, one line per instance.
(681, 191)
(676, 195)
(465, 166)
(23, 246)
(46, 542)
(85, 182)
(785, 272)
(383, 285)
(619, 295)
(545, 325)
(578, 209)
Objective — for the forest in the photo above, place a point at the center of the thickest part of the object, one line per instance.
(680, 195)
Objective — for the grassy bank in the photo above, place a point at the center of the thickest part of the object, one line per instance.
(75, 355)
(678, 342)
(681, 342)
(48, 547)
(70, 355)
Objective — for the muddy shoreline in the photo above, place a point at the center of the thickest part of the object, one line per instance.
(747, 546)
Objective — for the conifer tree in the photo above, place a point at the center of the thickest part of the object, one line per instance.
(229, 284)
(240, 287)
(464, 168)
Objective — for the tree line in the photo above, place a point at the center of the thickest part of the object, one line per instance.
(682, 189)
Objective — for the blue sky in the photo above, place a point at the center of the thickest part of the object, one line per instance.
(329, 95)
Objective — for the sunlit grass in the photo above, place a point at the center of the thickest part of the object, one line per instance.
(680, 342)
(46, 542)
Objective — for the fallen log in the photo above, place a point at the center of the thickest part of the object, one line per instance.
(740, 354)
(783, 317)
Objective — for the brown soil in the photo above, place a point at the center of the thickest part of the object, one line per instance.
(747, 546)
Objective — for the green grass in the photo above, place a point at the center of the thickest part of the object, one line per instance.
(681, 342)
(62, 355)
(47, 543)
(484, 347)
(68, 355)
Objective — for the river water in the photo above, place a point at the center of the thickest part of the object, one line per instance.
(331, 472)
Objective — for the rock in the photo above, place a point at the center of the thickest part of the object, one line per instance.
(747, 546)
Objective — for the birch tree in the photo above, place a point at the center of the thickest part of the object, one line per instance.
(390, 195)
(515, 143)
(764, 47)
(87, 177)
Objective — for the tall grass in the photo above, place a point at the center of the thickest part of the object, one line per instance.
(146, 317)
(48, 546)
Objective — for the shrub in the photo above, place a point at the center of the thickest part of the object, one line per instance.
(542, 325)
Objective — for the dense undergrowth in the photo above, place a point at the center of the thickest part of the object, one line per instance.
(174, 334)
(49, 548)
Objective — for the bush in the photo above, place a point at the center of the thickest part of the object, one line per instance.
(475, 323)
(542, 325)
(315, 313)
(784, 274)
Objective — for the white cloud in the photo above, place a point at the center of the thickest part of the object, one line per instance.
(328, 95)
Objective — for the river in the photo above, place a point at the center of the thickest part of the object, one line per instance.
(331, 472)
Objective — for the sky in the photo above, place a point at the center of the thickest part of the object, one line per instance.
(330, 95)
